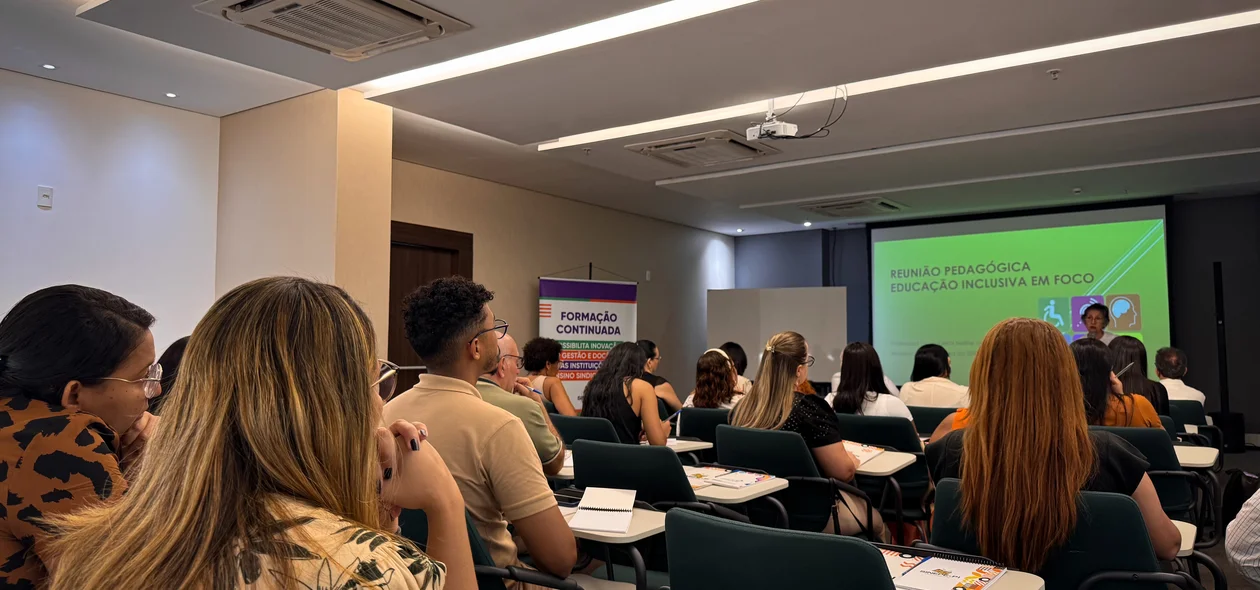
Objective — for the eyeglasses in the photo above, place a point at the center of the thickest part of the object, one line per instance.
(809, 361)
(152, 381)
(388, 380)
(500, 326)
(520, 360)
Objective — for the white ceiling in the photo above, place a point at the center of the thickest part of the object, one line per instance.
(38, 32)
(1176, 117)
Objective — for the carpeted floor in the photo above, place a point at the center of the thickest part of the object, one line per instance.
(1249, 461)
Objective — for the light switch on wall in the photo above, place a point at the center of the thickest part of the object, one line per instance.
(44, 200)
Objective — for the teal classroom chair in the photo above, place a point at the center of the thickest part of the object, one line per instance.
(926, 419)
(551, 408)
(1191, 412)
(701, 424)
(910, 487)
(573, 428)
(810, 499)
(708, 553)
(1109, 550)
(1177, 488)
(415, 526)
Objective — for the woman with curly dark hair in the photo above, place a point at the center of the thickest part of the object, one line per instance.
(541, 357)
(715, 382)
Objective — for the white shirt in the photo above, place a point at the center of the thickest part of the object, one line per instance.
(743, 384)
(726, 406)
(1242, 540)
(1107, 337)
(892, 387)
(882, 405)
(935, 392)
(1177, 390)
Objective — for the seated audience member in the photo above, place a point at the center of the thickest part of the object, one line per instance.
(862, 389)
(503, 387)
(1096, 319)
(1106, 401)
(449, 323)
(1171, 367)
(1242, 540)
(663, 389)
(775, 404)
(76, 372)
(888, 383)
(542, 361)
(736, 353)
(715, 382)
(1019, 495)
(929, 384)
(270, 469)
(1127, 351)
(169, 361)
(619, 394)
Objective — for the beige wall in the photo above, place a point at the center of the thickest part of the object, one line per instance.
(305, 190)
(520, 235)
(135, 186)
(365, 146)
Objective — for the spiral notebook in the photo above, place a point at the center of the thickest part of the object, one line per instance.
(604, 510)
(936, 573)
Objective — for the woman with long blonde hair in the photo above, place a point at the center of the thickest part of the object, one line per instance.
(269, 469)
(776, 404)
(1026, 451)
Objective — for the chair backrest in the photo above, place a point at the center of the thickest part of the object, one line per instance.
(779, 453)
(711, 553)
(1187, 411)
(888, 431)
(654, 473)
(1110, 535)
(573, 428)
(1175, 493)
(809, 503)
(550, 407)
(926, 419)
(1170, 426)
(415, 526)
(702, 423)
(885, 431)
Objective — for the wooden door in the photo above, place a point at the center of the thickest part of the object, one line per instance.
(417, 256)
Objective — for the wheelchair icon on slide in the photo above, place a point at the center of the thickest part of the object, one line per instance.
(1053, 310)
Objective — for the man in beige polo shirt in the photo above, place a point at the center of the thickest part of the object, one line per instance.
(450, 325)
(503, 387)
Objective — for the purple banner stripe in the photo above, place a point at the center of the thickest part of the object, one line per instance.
(586, 290)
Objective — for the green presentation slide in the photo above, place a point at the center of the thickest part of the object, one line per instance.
(951, 290)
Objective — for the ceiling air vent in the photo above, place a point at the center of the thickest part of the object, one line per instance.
(704, 149)
(349, 29)
(854, 207)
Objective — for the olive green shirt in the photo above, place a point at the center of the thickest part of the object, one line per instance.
(530, 413)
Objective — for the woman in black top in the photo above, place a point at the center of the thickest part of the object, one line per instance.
(1027, 423)
(619, 394)
(775, 404)
(1126, 350)
(659, 384)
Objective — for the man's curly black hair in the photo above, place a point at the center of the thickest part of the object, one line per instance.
(442, 316)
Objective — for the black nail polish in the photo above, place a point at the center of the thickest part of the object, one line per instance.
(389, 472)
(378, 487)
(415, 445)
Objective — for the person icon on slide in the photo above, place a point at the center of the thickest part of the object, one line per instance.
(1049, 313)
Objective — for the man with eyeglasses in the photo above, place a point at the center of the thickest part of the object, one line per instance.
(503, 387)
(449, 323)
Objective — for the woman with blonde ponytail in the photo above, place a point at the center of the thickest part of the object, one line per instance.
(775, 404)
(269, 469)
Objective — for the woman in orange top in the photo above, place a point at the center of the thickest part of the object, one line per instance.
(1106, 403)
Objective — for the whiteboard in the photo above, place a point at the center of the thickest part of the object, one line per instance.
(751, 316)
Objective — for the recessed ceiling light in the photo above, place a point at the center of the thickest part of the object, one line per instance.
(171, 95)
(49, 67)
(988, 64)
(808, 223)
(665, 13)
(739, 230)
